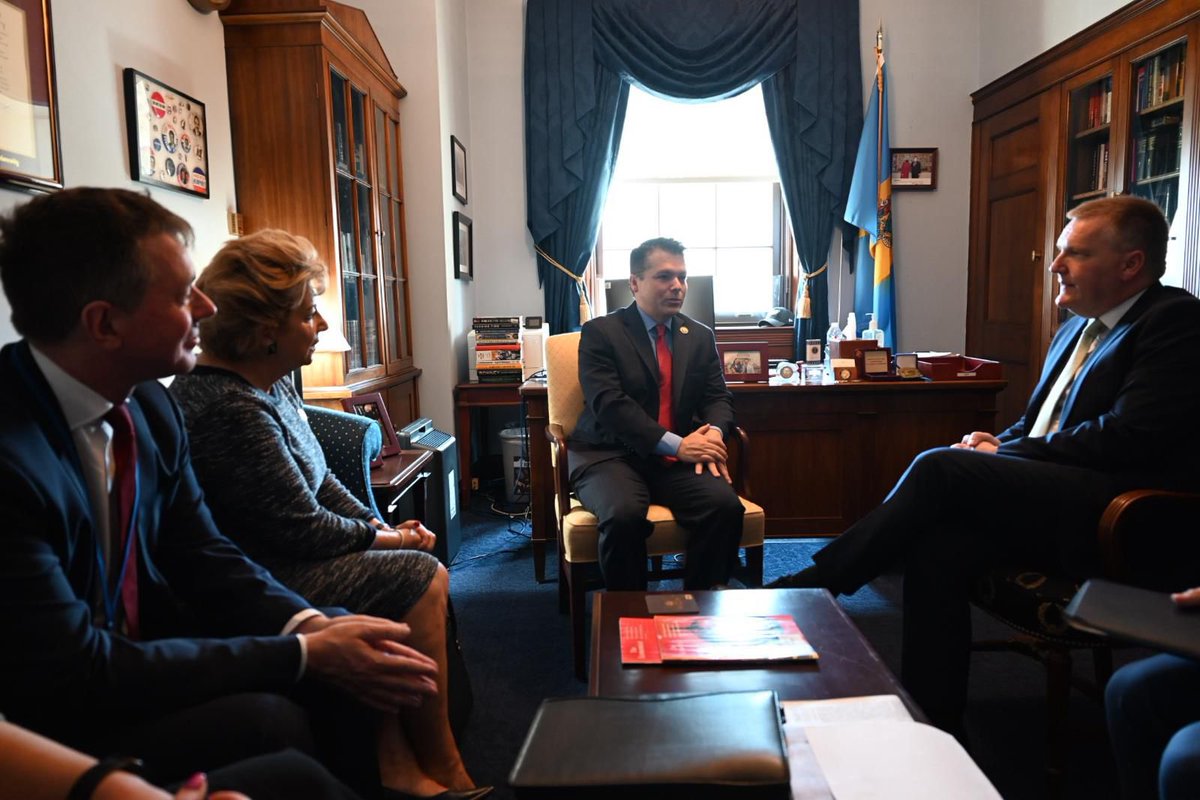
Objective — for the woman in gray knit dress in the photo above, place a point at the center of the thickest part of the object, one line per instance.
(268, 486)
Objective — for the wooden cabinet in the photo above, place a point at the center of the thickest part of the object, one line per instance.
(314, 108)
(1110, 111)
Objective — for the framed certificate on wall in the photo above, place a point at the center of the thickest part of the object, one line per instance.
(29, 143)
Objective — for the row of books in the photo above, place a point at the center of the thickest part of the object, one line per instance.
(1097, 170)
(1097, 110)
(1158, 152)
(1160, 78)
(497, 356)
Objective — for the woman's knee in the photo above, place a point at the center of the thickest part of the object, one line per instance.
(1179, 772)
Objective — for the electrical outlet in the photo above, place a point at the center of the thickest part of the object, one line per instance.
(474, 484)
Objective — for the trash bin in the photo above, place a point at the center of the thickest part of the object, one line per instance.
(514, 458)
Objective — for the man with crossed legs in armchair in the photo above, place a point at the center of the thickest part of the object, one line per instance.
(1113, 411)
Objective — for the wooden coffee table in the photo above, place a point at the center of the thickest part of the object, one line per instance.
(848, 666)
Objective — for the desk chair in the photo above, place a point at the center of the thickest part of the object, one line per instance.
(578, 537)
(1147, 539)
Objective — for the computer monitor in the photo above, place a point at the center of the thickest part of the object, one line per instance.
(698, 304)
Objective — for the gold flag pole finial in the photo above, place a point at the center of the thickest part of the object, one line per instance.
(879, 39)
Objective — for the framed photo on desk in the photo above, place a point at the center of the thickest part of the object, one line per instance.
(371, 405)
(744, 362)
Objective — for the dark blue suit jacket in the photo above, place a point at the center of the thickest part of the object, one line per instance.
(618, 371)
(60, 671)
(1132, 410)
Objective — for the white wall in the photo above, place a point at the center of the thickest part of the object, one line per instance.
(93, 43)
(930, 51)
(1014, 31)
(505, 268)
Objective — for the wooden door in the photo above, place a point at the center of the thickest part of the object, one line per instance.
(1012, 236)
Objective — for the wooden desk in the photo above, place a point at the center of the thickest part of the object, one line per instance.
(823, 455)
(848, 666)
(468, 396)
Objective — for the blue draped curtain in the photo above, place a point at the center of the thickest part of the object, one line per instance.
(580, 56)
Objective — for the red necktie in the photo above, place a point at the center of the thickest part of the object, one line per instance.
(664, 377)
(120, 504)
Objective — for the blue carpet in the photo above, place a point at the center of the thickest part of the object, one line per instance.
(517, 647)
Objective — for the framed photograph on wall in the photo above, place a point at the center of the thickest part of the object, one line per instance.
(371, 405)
(30, 157)
(464, 247)
(744, 362)
(914, 168)
(168, 135)
(458, 168)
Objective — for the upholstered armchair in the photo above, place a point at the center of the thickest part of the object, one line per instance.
(1147, 538)
(578, 537)
(350, 444)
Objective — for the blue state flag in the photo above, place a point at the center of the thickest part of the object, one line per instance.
(869, 207)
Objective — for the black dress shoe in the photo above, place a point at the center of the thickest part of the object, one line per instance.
(478, 793)
(807, 578)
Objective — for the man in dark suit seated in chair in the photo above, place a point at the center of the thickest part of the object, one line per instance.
(131, 625)
(656, 412)
(1114, 410)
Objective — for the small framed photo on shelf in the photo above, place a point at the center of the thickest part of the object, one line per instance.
(464, 247)
(371, 405)
(914, 168)
(458, 169)
(168, 135)
(30, 155)
(744, 362)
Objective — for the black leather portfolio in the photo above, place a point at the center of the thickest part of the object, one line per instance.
(1139, 615)
(719, 745)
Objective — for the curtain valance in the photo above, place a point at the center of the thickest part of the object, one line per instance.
(580, 56)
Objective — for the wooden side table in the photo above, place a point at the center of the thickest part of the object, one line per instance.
(469, 396)
(398, 475)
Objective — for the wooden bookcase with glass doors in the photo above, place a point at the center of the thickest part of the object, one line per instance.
(314, 107)
(1113, 110)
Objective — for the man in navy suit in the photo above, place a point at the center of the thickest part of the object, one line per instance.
(656, 413)
(1113, 411)
(167, 642)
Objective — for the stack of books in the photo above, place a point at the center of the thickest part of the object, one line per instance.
(498, 349)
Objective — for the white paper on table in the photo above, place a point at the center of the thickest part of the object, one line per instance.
(845, 709)
(895, 760)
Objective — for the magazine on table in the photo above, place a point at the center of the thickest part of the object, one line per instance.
(673, 639)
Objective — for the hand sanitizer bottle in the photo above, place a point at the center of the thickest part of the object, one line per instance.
(851, 329)
(872, 330)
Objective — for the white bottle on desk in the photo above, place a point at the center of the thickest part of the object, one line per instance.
(851, 329)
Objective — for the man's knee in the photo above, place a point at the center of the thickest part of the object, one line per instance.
(625, 519)
(270, 722)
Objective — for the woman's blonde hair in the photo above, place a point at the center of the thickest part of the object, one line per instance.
(256, 280)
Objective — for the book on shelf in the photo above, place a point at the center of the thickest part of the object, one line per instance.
(679, 638)
(485, 358)
(504, 345)
(514, 321)
(500, 376)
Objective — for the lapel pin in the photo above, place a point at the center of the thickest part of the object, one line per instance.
(683, 329)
